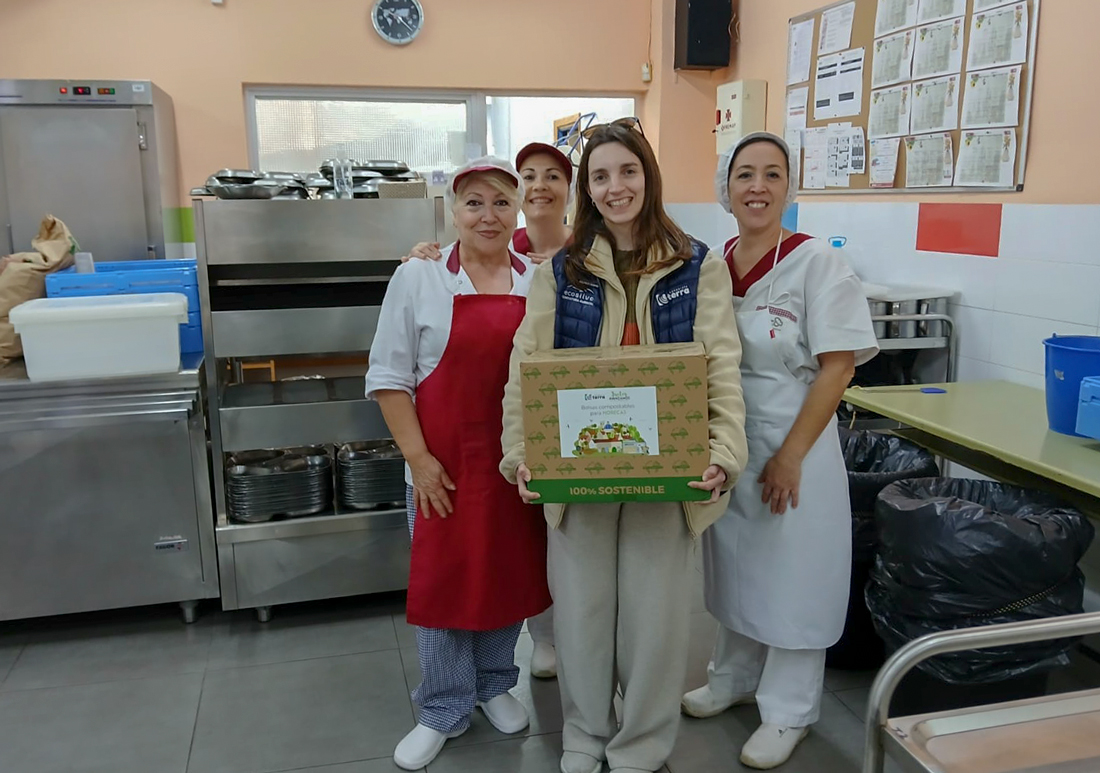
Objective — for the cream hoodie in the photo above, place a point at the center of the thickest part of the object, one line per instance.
(715, 328)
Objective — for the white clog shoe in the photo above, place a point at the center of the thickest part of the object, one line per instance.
(703, 702)
(771, 745)
(421, 746)
(505, 713)
(544, 661)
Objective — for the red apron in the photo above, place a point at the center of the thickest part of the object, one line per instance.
(484, 566)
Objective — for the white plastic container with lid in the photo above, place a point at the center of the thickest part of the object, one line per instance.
(101, 336)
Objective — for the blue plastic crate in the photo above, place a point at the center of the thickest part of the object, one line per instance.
(191, 334)
(1088, 411)
(129, 278)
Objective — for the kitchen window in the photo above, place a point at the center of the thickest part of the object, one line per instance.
(296, 129)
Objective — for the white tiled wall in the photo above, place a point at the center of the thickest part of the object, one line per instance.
(1046, 280)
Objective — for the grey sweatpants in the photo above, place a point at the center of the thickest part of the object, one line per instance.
(621, 580)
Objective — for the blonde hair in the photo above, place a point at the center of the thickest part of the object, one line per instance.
(499, 181)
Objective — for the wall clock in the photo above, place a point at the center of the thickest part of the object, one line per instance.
(397, 21)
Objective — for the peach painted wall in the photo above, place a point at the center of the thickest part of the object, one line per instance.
(681, 107)
(203, 55)
(1068, 60)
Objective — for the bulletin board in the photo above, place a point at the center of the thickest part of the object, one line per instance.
(917, 95)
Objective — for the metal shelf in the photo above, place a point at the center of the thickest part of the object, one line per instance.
(296, 413)
(323, 523)
(901, 344)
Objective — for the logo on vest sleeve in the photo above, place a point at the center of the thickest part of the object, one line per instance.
(664, 298)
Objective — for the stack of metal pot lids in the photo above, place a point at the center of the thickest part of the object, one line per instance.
(291, 482)
(370, 474)
(250, 184)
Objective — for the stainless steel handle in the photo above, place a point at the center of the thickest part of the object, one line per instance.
(919, 650)
(46, 422)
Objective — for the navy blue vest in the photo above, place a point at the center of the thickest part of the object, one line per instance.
(672, 304)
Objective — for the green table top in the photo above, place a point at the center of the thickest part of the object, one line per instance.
(1005, 420)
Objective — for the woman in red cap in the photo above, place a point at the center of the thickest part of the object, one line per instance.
(478, 565)
(547, 179)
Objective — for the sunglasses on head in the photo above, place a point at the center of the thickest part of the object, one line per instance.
(625, 123)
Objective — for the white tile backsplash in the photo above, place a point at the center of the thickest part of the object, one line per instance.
(1018, 340)
(1061, 233)
(1046, 280)
(881, 235)
(1060, 291)
(706, 222)
(1002, 373)
(974, 328)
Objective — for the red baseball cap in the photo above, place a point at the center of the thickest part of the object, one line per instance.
(541, 147)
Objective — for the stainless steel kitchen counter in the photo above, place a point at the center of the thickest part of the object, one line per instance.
(14, 383)
(106, 490)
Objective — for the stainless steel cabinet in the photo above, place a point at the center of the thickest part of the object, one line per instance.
(105, 163)
(105, 496)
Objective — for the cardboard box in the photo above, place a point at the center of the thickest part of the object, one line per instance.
(616, 424)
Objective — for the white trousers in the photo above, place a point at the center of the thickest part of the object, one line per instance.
(621, 580)
(788, 683)
(541, 626)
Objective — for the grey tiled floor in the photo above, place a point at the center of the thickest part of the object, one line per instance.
(322, 688)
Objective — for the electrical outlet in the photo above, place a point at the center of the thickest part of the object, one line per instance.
(647, 72)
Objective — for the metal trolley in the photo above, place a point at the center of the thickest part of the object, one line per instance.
(1051, 734)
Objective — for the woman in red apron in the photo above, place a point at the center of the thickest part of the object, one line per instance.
(548, 190)
(438, 366)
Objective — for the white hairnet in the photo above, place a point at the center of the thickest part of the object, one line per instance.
(725, 161)
(483, 164)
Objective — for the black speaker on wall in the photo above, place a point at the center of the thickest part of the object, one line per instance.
(703, 34)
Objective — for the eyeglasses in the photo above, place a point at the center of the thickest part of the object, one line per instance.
(632, 122)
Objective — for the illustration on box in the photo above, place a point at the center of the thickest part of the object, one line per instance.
(597, 422)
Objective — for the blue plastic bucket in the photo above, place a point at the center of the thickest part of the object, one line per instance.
(1069, 359)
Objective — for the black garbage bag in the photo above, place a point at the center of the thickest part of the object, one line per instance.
(874, 461)
(958, 553)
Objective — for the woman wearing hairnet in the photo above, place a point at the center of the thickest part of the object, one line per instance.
(777, 564)
(547, 179)
(478, 565)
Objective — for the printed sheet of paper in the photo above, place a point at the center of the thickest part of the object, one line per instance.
(838, 84)
(797, 100)
(794, 142)
(928, 161)
(889, 116)
(894, 15)
(893, 59)
(838, 156)
(939, 49)
(985, 5)
(836, 29)
(850, 83)
(800, 49)
(987, 158)
(884, 162)
(815, 145)
(857, 162)
(938, 10)
(992, 98)
(998, 37)
(935, 105)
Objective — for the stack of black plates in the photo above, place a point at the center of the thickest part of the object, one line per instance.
(370, 475)
(260, 485)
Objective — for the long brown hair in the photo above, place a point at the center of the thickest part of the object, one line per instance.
(652, 228)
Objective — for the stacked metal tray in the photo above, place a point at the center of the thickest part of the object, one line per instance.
(370, 475)
(287, 483)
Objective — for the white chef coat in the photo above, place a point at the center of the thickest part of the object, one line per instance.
(783, 579)
(414, 323)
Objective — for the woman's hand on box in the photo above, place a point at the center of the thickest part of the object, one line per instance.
(430, 486)
(713, 479)
(523, 477)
